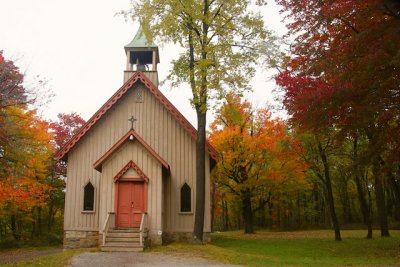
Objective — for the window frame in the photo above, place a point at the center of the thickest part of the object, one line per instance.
(189, 198)
(93, 210)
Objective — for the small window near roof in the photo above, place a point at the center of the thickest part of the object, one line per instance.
(88, 197)
(186, 203)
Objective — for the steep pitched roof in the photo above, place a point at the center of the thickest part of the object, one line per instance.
(98, 164)
(138, 76)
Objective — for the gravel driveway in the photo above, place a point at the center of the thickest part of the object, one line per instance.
(125, 259)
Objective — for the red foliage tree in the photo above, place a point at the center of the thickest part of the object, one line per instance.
(344, 73)
(65, 127)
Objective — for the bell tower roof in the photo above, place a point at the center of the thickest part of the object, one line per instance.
(140, 41)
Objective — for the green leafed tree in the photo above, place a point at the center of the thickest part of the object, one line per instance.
(220, 40)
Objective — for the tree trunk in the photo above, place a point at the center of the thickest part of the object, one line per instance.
(50, 215)
(50, 211)
(226, 215)
(380, 199)
(263, 217)
(14, 228)
(332, 211)
(396, 189)
(328, 184)
(39, 220)
(200, 177)
(200, 99)
(379, 191)
(345, 201)
(317, 207)
(247, 214)
(213, 205)
(361, 197)
(270, 215)
(364, 206)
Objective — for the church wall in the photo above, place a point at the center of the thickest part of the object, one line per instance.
(151, 167)
(158, 129)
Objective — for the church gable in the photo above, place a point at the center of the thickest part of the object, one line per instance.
(130, 136)
(130, 173)
(131, 170)
(138, 77)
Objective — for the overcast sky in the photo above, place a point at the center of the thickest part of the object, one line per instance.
(77, 46)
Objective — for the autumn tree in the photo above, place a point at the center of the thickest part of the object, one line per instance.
(63, 130)
(31, 183)
(12, 93)
(320, 151)
(256, 155)
(219, 40)
(24, 166)
(343, 72)
(25, 152)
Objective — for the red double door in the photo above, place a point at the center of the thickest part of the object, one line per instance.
(131, 204)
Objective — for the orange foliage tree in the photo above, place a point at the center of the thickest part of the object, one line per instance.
(257, 155)
(25, 153)
(24, 161)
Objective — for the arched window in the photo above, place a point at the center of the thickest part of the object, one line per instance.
(186, 200)
(88, 197)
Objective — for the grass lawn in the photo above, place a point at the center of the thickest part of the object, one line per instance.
(299, 248)
(57, 259)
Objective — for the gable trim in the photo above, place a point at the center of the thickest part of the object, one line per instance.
(138, 76)
(98, 164)
(131, 165)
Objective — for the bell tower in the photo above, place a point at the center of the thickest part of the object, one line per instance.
(143, 56)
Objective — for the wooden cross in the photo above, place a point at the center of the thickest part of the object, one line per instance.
(132, 120)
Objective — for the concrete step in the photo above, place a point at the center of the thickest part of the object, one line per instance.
(116, 234)
(124, 230)
(122, 244)
(122, 239)
(107, 248)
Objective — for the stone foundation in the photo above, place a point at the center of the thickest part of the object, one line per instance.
(153, 239)
(169, 237)
(81, 239)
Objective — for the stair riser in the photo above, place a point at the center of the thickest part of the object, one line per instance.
(121, 249)
(122, 244)
(122, 239)
(123, 235)
(124, 230)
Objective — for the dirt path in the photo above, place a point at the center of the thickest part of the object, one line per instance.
(17, 255)
(131, 259)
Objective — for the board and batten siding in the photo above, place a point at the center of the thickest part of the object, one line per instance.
(161, 131)
(133, 150)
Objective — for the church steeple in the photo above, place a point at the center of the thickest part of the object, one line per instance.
(141, 55)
